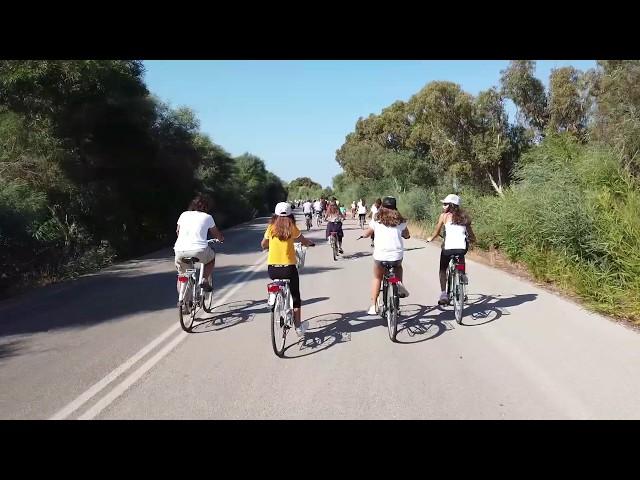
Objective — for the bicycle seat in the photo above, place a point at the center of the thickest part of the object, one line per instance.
(388, 264)
(190, 259)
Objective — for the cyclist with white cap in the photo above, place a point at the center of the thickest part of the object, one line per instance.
(458, 234)
(279, 238)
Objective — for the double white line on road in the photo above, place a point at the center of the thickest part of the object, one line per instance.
(119, 389)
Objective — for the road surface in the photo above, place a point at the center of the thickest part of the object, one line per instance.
(109, 346)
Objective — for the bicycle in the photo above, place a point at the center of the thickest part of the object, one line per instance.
(280, 302)
(456, 283)
(318, 218)
(333, 241)
(192, 297)
(388, 298)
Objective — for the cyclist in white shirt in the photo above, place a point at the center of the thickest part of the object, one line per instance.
(193, 227)
(362, 210)
(390, 228)
(458, 234)
(307, 209)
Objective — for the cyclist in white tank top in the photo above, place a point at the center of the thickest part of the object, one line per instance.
(458, 233)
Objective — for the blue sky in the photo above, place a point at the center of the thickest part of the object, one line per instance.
(295, 114)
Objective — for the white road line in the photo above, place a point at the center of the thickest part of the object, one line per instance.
(100, 385)
(136, 375)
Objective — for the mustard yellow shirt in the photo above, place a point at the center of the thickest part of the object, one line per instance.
(281, 252)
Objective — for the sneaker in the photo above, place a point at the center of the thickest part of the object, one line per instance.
(302, 329)
(340, 250)
(402, 290)
(372, 310)
(444, 299)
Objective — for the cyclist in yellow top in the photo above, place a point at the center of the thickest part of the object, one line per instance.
(279, 238)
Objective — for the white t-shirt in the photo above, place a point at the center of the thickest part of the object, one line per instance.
(374, 210)
(194, 226)
(389, 245)
(362, 210)
(307, 207)
(455, 237)
(317, 206)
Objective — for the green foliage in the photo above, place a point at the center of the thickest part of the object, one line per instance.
(92, 166)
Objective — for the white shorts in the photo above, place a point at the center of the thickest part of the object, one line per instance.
(205, 255)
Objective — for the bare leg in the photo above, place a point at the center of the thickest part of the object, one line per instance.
(375, 283)
(208, 270)
(297, 315)
(443, 280)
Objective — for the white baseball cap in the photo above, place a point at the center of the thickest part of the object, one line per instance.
(451, 198)
(283, 209)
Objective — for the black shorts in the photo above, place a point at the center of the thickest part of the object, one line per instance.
(394, 263)
(362, 216)
(288, 272)
(445, 257)
(334, 227)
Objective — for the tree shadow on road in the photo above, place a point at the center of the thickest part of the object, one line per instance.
(11, 349)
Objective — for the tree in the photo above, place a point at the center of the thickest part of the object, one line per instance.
(303, 182)
(616, 88)
(441, 115)
(568, 101)
(527, 92)
(490, 138)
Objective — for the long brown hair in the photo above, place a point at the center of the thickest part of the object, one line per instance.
(282, 227)
(332, 209)
(389, 217)
(458, 215)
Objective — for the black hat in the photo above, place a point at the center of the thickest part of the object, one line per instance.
(389, 202)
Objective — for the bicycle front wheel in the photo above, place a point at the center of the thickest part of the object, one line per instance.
(278, 325)
(458, 297)
(207, 299)
(392, 311)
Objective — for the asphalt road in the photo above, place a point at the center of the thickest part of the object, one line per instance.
(109, 346)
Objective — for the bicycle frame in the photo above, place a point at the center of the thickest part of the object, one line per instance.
(193, 274)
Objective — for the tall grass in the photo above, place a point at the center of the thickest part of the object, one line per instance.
(572, 216)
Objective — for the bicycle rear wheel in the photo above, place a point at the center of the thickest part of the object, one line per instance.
(392, 311)
(458, 297)
(278, 327)
(334, 248)
(187, 311)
